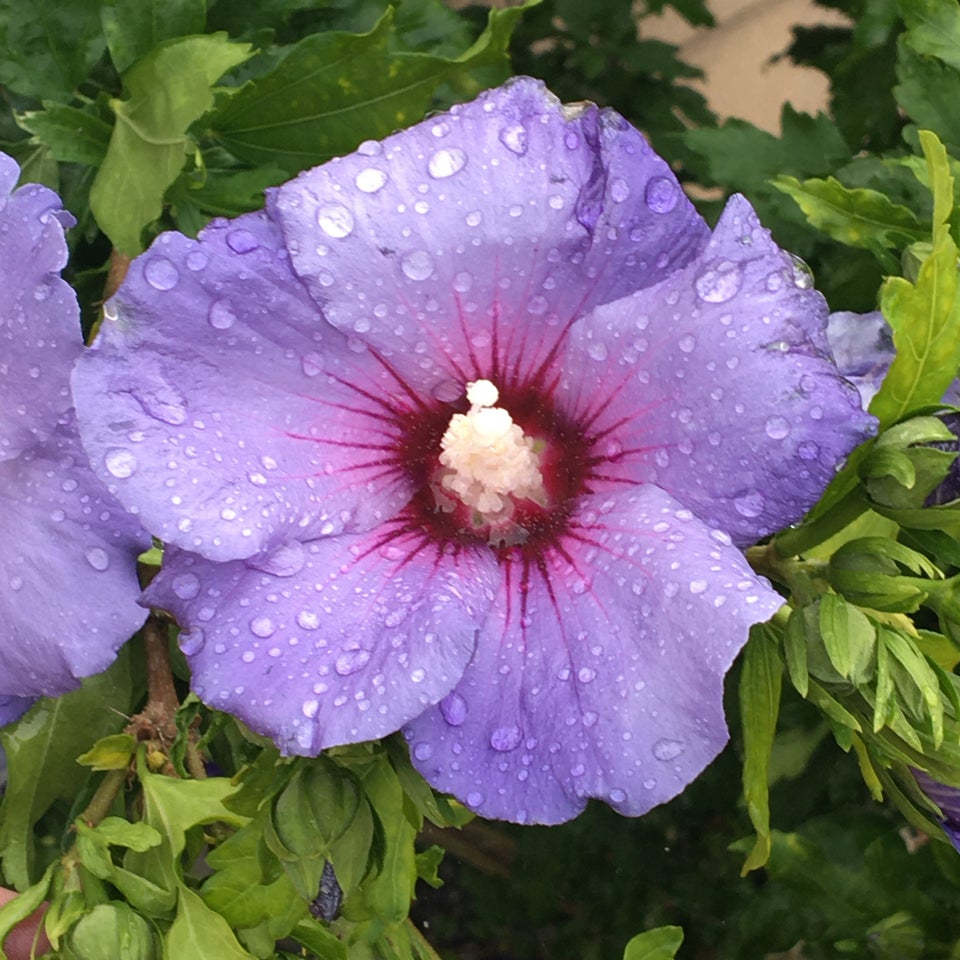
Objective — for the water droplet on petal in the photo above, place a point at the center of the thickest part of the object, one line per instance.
(698, 586)
(371, 179)
(474, 798)
(242, 241)
(661, 194)
(719, 283)
(262, 627)
(417, 265)
(350, 661)
(186, 586)
(667, 749)
(310, 708)
(422, 751)
(120, 463)
(749, 504)
(308, 620)
(687, 343)
(586, 674)
(454, 709)
(777, 428)
(617, 796)
(802, 274)
(619, 190)
(446, 162)
(191, 641)
(335, 220)
(97, 558)
(505, 739)
(196, 260)
(161, 274)
(808, 450)
(221, 315)
(514, 138)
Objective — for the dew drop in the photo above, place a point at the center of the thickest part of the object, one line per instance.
(505, 739)
(161, 274)
(308, 620)
(598, 350)
(97, 558)
(196, 260)
(687, 343)
(586, 674)
(617, 795)
(371, 179)
(350, 661)
(808, 451)
(422, 751)
(719, 283)
(242, 241)
(192, 641)
(454, 709)
(619, 190)
(514, 138)
(777, 428)
(335, 220)
(749, 504)
(698, 586)
(474, 798)
(661, 194)
(417, 265)
(120, 463)
(667, 749)
(220, 316)
(446, 162)
(310, 708)
(186, 586)
(262, 627)
(802, 274)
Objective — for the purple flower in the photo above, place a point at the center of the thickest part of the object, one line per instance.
(947, 799)
(68, 565)
(444, 441)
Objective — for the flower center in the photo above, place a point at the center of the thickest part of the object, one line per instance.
(488, 462)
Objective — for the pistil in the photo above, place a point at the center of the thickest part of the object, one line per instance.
(488, 458)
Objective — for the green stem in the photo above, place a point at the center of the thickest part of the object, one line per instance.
(101, 802)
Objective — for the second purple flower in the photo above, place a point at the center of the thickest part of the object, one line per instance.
(461, 436)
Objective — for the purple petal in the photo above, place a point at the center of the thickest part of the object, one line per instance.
(68, 570)
(862, 345)
(39, 316)
(450, 245)
(219, 405)
(947, 799)
(11, 708)
(606, 680)
(330, 642)
(718, 386)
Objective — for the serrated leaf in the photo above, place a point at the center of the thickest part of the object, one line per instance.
(198, 933)
(48, 47)
(71, 135)
(661, 943)
(760, 682)
(167, 91)
(134, 27)
(925, 318)
(933, 28)
(928, 91)
(857, 217)
(334, 90)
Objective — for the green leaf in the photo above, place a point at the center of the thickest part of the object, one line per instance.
(111, 930)
(318, 939)
(856, 217)
(173, 807)
(134, 27)
(920, 674)
(760, 682)
(48, 47)
(661, 943)
(71, 135)
(925, 318)
(849, 637)
(928, 91)
(20, 907)
(933, 28)
(40, 753)
(248, 887)
(167, 92)
(110, 753)
(334, 90)
(198, 933)
(795, 652)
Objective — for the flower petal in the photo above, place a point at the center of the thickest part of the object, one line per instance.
(68, 570)
(607, 679)
(11, 708)
(331, 642)
(39, 316)
(718, 385)
(474, 238)
(219, 405)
